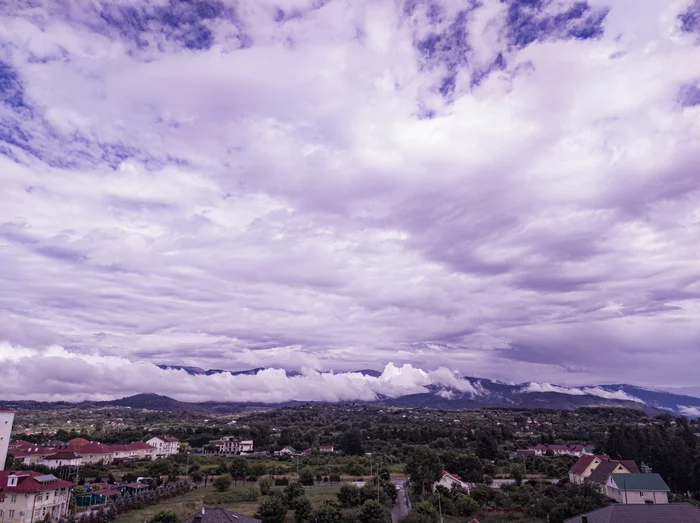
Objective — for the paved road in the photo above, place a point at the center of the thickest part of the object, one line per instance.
(402, 504)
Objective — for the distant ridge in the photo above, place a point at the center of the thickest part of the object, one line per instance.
(466, 393)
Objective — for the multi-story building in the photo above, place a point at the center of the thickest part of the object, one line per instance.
(27, 496)
(165, 445)
(231, 445)
(7, 416)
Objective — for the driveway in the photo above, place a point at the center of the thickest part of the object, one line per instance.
(402, 505)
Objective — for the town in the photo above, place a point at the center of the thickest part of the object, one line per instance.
(315, 463)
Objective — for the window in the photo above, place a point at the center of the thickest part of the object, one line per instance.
(1, 513)
(10, 513)
(40, 497)
(13, 499)
(641, 493)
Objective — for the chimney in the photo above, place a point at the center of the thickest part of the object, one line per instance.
(584, 519)
(198, 516)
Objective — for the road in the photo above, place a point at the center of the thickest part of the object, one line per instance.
(402, 504)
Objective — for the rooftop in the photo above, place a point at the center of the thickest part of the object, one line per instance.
(666, 513)
(640, 482)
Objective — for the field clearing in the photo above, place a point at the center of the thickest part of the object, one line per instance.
(192, 502)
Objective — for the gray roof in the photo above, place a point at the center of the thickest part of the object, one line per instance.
(665, 513)
(219, 515)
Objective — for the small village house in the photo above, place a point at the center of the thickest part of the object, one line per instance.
(449, 481)
(637, 488)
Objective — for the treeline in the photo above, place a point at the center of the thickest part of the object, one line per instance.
(670, 448)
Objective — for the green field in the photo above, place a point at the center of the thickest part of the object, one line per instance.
(192, 502)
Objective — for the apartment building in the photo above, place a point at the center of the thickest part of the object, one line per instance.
(27, 496)
(7, 416)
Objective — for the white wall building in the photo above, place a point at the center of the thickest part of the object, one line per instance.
(7, 416)
(165, 445)
(27, 496)
(231, 445)
(452, 480)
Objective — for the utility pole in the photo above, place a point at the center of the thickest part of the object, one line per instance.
(440, 505)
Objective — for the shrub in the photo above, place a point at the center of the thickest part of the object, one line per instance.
(265, 485)
(223, 483)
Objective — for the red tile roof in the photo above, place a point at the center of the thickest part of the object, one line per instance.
(31, 481)
(582, 464)
(140, 445)
(5, 409)
(602, 472)
(78, 442)
(166, 438)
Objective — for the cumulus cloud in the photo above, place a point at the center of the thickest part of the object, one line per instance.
(59, 373)
(505, 188)
(691, 412)
(590, 391)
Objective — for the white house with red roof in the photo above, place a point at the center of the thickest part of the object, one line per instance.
(585, 466)
(449, 480)
(27, 496)
(7, 417)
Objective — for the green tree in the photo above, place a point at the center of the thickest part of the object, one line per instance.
(349, 496)
(265, 484)
(329, 512)
(238, 468)
(351, 443)
(165, 516)
(518, 474)
(424, 466)
(307, 476)
(272, 510)
(373, 512)
(292, 491)
(223, 483)
(302, 509)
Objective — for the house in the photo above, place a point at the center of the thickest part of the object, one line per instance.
(53, 444)
(326, 449)
(32, 455)
(561, 450)
(287, 451)
(62, 459)
(27, 496)
(602, 472)
(7, 417)
(219, 515)
(637, 488)
(671, 513)
(165, 445)
(584, 467)
(449, 481)
(231, 445)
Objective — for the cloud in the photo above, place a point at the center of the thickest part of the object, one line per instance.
(691, 412)
(590, 391)
(59, 373)
(506, 189)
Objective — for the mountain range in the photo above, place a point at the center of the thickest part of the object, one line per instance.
(481, 393)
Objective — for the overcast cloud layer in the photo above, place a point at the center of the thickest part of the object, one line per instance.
(506, 189)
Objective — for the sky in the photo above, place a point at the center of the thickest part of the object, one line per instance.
(505, 189)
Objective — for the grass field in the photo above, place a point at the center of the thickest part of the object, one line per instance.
(192, 502)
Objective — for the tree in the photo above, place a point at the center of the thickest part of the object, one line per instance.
(272, 510)
(424, 466)
(351, 443)
(165, 516)
(239, 468)
(335, 478)
(349, 496)
(518, 474)
(307, 476)
(302, 509)
(265, 484)
(223, 483)
(373, 512)
(292, 491)
(329, 512)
